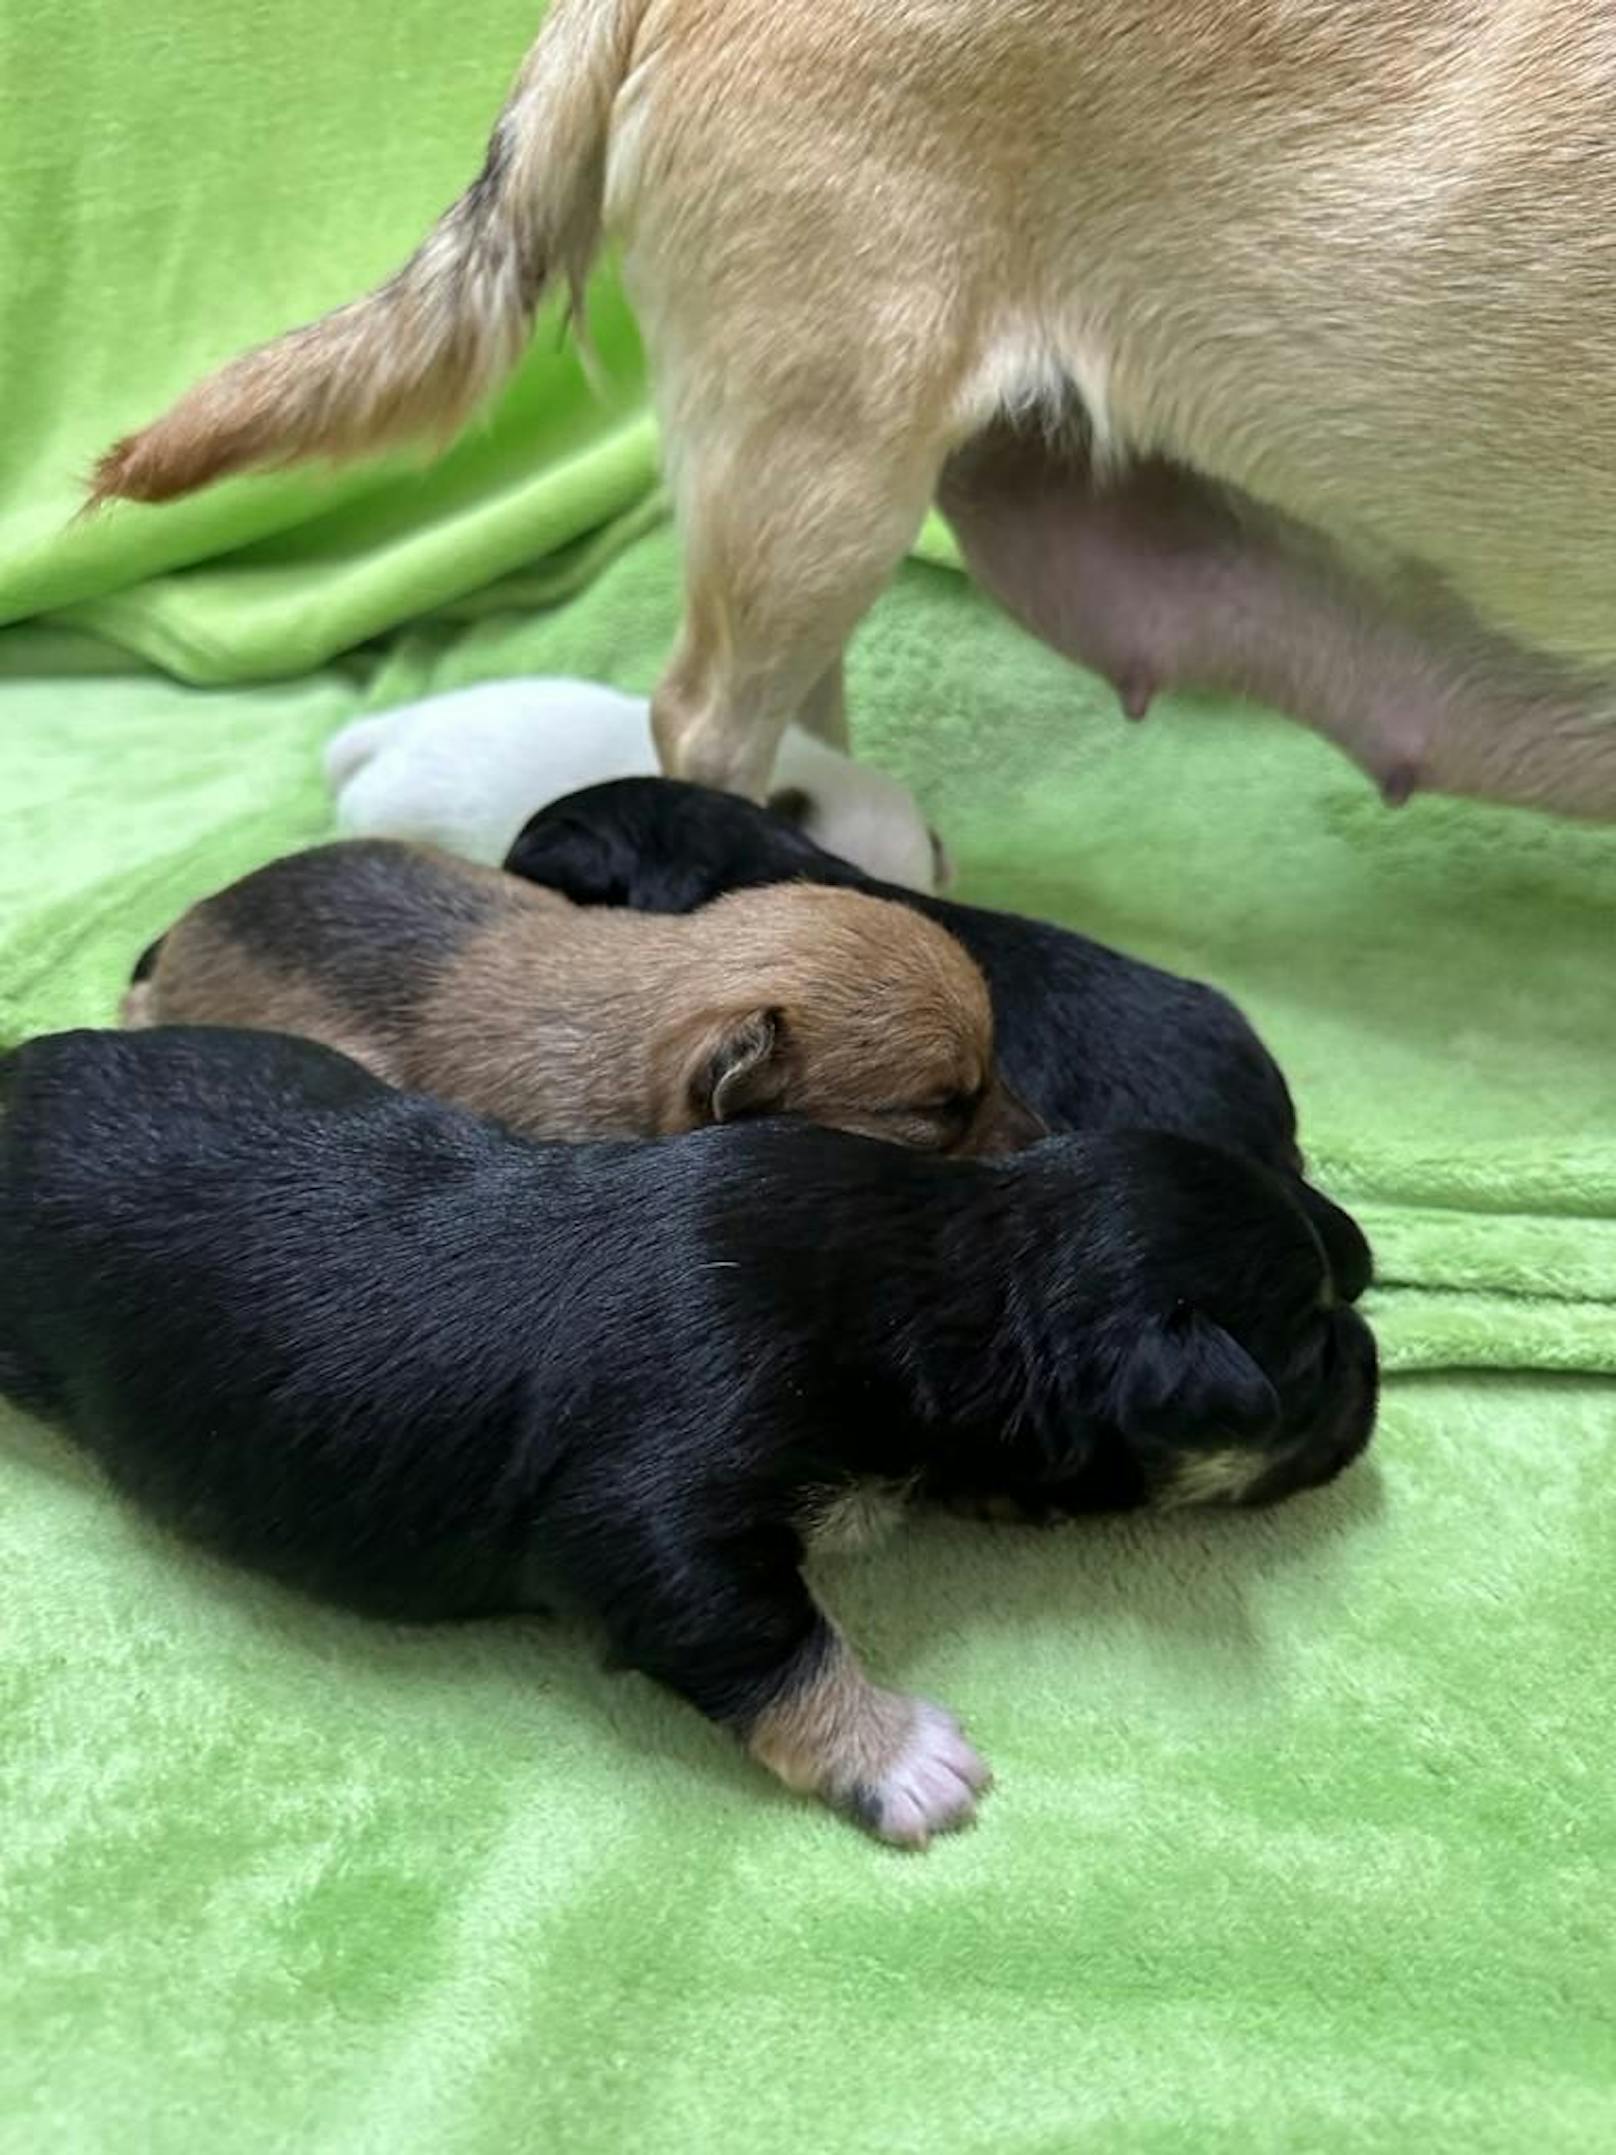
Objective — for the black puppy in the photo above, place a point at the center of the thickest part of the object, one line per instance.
(385, 1351)
(1090, 1039)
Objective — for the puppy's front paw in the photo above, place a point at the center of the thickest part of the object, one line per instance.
(898, 1765)
(930, 1787)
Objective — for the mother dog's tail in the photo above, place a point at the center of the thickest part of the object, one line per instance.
(421, 352)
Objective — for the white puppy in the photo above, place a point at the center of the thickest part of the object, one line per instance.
(466, 770)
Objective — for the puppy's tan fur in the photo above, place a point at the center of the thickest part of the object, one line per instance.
(899, 1764)
(1266, 347)
(577, 1022)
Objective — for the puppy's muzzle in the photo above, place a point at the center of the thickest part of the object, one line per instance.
(1337, 1429)
(1004, 1123)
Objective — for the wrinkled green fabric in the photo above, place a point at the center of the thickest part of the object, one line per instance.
(1302, 1838)
(179, 187)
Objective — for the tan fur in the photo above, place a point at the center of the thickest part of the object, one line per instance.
(832, 1733)
(206, 978)
(900, 1765)
(1351, 263)
(1222, 1477)
(835, 1733)
(579, 1022)
(844, 1520)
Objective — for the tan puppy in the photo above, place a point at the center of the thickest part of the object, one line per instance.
(585, 1021)
(1266, 347)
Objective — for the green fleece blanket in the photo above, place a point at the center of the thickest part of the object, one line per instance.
(1303, 1837)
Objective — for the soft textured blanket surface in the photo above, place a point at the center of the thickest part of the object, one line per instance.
(1303, 1836)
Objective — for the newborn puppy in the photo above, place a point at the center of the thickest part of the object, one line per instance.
(572, 1022)
(465, 771)
(386, 1352)
(1088, 1038)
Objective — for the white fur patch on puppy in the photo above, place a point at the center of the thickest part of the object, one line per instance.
(1221, 1477)
(855, 1517)
(931, 1787)
(466, 770)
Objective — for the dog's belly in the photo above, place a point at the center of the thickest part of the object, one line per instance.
(1350, 265)
(1466, 460)
(1156, 578)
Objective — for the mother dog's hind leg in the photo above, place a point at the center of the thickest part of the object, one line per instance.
(824, 714)
(790, 528)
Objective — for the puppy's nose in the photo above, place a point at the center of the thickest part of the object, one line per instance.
(1004, 1122)
(1343, 1433)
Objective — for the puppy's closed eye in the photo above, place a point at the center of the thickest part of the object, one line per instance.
(932, 1125)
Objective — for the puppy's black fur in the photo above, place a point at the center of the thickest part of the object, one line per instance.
(384, 1351)
(1090, 1039)
(378, 912)
(383, 917)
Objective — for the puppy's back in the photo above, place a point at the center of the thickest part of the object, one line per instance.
(104, 1140)
(369, 913)
(286, 1306)
(1102, 1040)
(350, 1337)
(341, 942)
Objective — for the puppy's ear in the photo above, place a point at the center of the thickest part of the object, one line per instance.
(737, 1065)
(1185, 1377)
(146, 964)
(561, 852)
(793, 805)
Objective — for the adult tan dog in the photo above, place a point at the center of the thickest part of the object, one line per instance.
(583, 1021)
(1261, 345)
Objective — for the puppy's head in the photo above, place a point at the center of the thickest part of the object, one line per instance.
(663, 846)
(847, 1010)
(1216, 1353)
